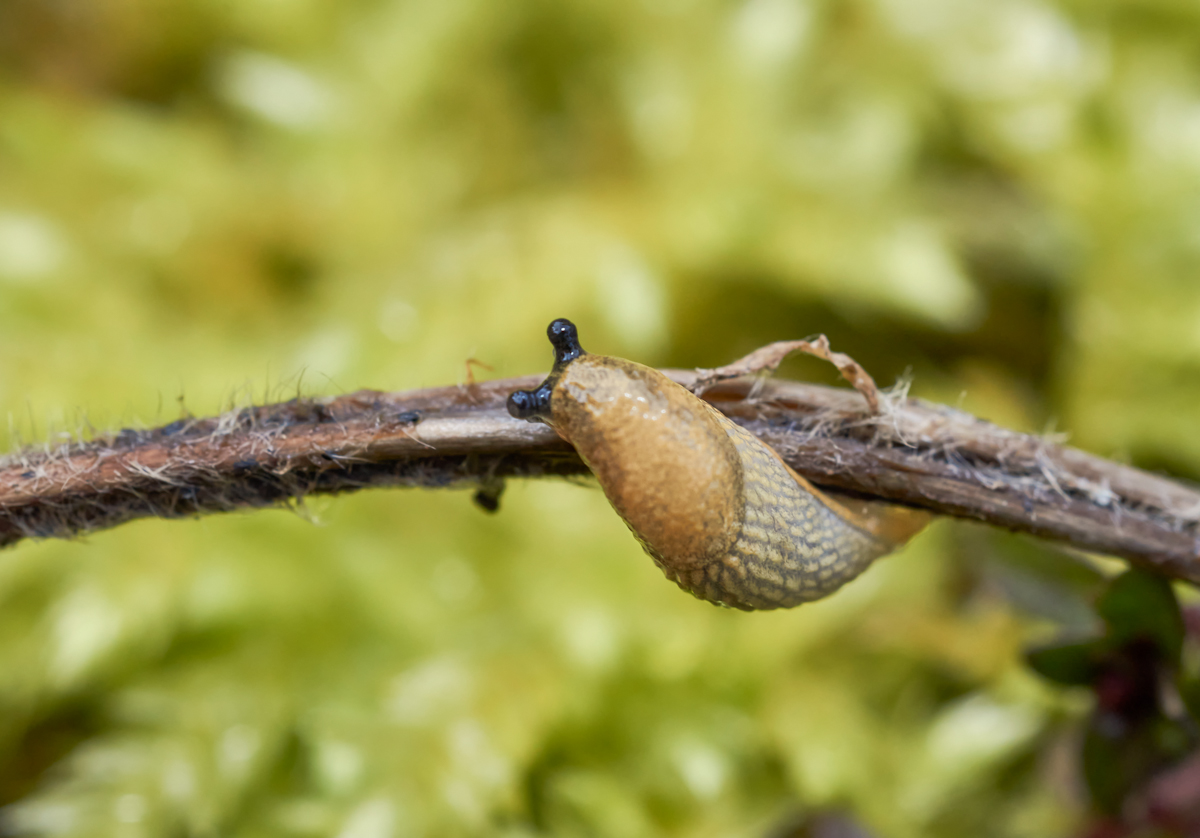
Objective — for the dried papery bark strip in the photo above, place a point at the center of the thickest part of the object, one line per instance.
(769, 357)
(909, 451)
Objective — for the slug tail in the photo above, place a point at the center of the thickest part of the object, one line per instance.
(888, 523)
(894, 525)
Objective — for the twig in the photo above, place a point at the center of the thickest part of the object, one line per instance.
(908, 451)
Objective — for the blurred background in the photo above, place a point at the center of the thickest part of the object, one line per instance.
(208, 203)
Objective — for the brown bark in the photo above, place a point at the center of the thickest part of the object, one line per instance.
(910, 452)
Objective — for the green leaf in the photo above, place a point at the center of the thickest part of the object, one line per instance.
(1117, 758)
(1072, 664)
(1189, 691)
(1139, 604)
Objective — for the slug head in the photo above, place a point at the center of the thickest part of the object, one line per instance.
(534, 405)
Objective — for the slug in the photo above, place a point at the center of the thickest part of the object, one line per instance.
(716, 509)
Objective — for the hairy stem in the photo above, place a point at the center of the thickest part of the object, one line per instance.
(909, 452)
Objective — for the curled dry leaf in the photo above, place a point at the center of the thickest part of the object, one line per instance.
(769, 357)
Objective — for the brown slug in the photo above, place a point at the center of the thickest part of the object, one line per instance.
(719, 512)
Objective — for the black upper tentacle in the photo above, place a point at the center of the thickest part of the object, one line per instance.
(564, 337)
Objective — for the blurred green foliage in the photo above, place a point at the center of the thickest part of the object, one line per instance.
(206, 201)
(1142, 722)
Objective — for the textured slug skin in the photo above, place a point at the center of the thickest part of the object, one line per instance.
(719, 512)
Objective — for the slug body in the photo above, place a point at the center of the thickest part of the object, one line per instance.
(719, 512)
